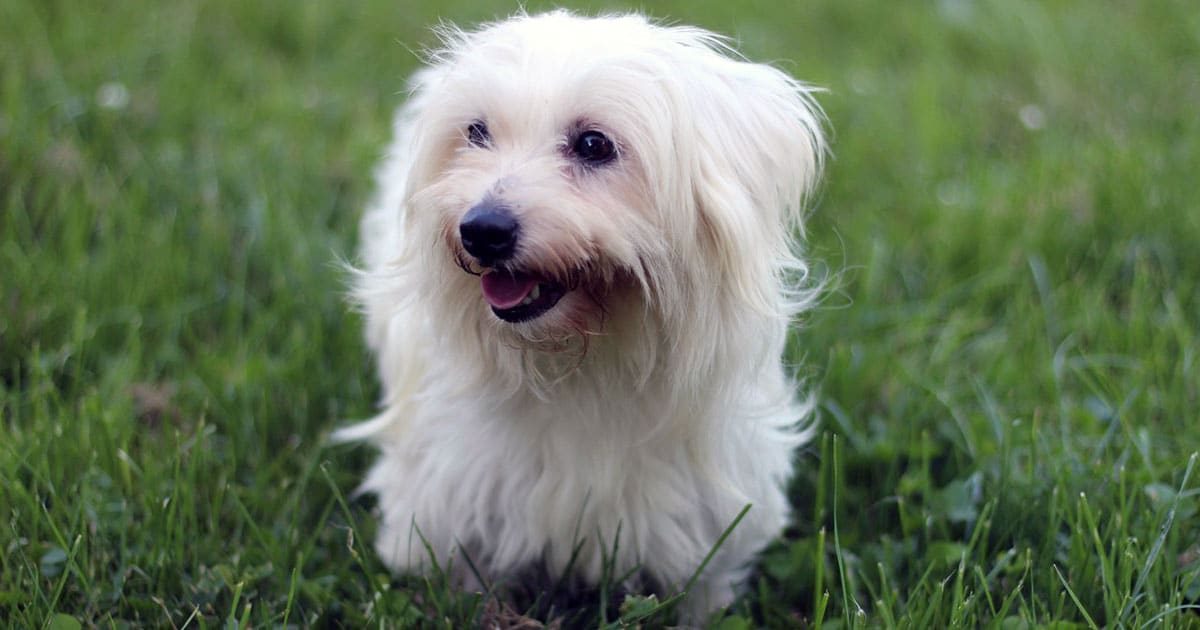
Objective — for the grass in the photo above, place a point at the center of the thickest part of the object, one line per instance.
(1008, 366)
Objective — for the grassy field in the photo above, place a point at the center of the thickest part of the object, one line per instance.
(1009, 365)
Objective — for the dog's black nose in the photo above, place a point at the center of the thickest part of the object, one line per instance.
(489, 232)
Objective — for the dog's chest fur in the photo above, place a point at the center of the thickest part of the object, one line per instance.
(525, 479)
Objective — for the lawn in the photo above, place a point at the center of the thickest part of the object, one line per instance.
(1008, 360)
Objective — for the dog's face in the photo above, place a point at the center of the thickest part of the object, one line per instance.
(541, 201)
(568, 171)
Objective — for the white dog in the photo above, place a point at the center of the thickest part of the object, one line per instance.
(580, 269)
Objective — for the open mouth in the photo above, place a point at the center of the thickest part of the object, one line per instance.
(516, 296)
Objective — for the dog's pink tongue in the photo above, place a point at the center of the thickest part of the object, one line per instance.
(504, 290)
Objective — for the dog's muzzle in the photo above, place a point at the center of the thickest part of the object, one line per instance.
(489, 232)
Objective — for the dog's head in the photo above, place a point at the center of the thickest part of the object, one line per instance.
(569, 172)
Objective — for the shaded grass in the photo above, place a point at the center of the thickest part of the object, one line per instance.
(1008, 366)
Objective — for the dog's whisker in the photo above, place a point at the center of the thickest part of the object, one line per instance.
(466, 265)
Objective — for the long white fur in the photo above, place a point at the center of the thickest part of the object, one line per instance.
(655, 402)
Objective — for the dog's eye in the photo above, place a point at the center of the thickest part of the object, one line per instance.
(594, 147)
(478, 134)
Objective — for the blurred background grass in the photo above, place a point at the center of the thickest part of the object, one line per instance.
(1008, 365)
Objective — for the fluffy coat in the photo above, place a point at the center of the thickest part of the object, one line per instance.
(650, 400)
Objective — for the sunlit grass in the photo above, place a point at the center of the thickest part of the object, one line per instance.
(1008, 364)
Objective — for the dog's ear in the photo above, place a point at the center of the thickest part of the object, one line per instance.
(758, 149)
